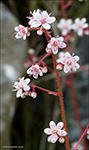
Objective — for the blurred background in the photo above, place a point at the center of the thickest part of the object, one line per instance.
(23, 120)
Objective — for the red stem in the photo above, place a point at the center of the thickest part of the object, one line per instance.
(81, 137)
(63, 9)
(68, 4)
(48, 36)
(44, 57)
(30, 29)
(83, 68)
(61, 103)
(76, 107)
(43, 89)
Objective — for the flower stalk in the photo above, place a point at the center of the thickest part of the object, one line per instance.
(76, 108)
(84, 133)
(61, 103)
(60, 95)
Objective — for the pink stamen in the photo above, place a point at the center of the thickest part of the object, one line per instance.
(55, 43)
(43, 20)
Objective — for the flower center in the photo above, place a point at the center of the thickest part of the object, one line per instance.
(69, 62)
(43, 20)
(55, 43)
(55, 130)
(66, 26)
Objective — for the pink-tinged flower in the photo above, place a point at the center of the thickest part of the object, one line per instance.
(65, 26)
(79, 25)
(68, 62)
(21, 86)
(60, 65)
(41, 19)
(54, 44)
(35, 71)
(56, 132)
(24, 94)
(22, 32)
(33, 94)
(39, 32)
(44, 69)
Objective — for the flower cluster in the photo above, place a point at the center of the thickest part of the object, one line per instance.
(56, 132)
(78, 26)
(42, 19)
(67, 62)
(21, 32)
(54, 44)
(22, 87)
(36, 70)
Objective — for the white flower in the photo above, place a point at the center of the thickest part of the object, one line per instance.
(54, 44)
(33, 94)
(79, 25)
(22, 32)
(65, 26)
(35, 70)
(68, 62)
(20, 86)
(55, 132)
(41, 19)
(39, 32)
(31, 51)
(44, 69)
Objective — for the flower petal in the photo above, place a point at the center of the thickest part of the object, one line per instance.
(76, 58)
(60, 125)
(85, 25)
(62, 133)
(69, 21)
(18, 94)
(64, 32)
(18, 36)
(60, 39)
(35, 75)
(67, 55)
(66, 69)
(27, 80)
(55, 50)
(46, 26)
(80, 32)
(24, 37)
(53, 138)
(35, 24)
(83, 20)
(26, 88)
(48, 131)
(52, 124)
(51, 19)
(77, 20)
(44, 14)
(61, 45)
(77, 66)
